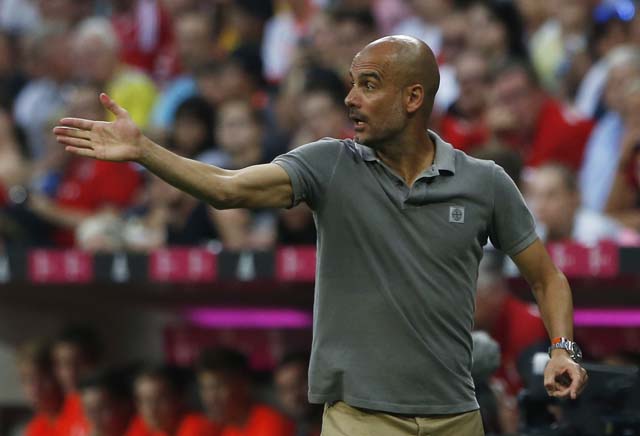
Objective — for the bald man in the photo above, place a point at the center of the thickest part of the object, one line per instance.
(402, 218)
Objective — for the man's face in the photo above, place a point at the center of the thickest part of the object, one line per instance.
(69, 365)
(107, 416)
(236, 129)
(193, 40)
(322, 116)
(375, 100)
(223, 396)
(553, 204)
(514, 94)
(291, 388)
(158, 405)
(472, 77)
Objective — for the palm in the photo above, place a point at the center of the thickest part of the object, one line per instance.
(119, 140)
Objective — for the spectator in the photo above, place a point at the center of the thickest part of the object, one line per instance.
(623, 202)
(521, 115)
(42, 390)
(192, 133)
(225, 390)
(43, 96)
(107, 402)
(160, 394)
(245, 23)
(604, 147)
(77, 352)
(611, 30)
(96, 59)
(561, 42)
(464, 123)
(495, 30)
(424, 22)
(195, 47)
(282, 34)
(554, 198)
(291, 384)
(12, 79)
(13, 157)
(145, 33)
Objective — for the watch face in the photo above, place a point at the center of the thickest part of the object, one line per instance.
(576, 352)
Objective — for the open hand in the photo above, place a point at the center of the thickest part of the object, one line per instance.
(119, 140)
(564, 378)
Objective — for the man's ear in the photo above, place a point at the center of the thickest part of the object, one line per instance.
(414, 97)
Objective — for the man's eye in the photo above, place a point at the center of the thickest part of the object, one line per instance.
(370, 86)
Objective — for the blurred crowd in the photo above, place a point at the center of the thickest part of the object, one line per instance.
(549, 90)
(72, 393)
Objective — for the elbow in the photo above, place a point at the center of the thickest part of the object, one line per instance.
(226, 196)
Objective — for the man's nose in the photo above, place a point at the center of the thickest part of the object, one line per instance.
(350, 100)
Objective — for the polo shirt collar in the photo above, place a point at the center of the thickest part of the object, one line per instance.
(445, 155)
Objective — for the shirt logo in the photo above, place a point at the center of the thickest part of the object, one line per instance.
(456, 214)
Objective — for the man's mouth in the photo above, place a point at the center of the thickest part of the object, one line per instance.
(358, 121)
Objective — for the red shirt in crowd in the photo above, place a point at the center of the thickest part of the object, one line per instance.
(518, 327)
(146, 38)
(72, 421)
(560, 136)
(463, 134)
(88, 185)
(197, 424)
(263, 421)
(42, 425)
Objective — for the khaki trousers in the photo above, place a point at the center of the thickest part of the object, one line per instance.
(340, 419)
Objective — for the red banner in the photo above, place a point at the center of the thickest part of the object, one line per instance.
(60, 266)
(185, 265)
(296, 264)
(577, 260)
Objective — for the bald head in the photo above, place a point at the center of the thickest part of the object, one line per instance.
(410, 60)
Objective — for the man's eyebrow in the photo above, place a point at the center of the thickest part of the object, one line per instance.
(370, 74)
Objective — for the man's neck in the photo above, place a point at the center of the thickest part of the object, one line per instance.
(409, 158)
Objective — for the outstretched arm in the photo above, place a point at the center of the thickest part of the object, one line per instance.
(257, 186)
(552, 292)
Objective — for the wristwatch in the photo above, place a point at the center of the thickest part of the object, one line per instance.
(569, 346)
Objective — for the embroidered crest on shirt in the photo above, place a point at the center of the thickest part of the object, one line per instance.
(456, 214)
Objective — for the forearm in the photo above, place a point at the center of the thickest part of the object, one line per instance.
(206, 182)
(556, 305)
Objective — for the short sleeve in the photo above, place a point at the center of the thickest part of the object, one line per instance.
(512, 225)
(310, 168)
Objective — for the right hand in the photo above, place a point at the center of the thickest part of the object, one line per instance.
(119, 140)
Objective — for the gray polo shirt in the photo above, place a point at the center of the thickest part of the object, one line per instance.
(396, 272)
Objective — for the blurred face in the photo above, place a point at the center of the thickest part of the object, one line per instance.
(58, 60)
(223, 397)
(430, 10)
(194, 40)
(472, 76)
(513, 93)
(189, 134)
(573, 14)
(70, 365)
(553, 204)
(291, 387)
(454, 37)
(486, 34)
(94, 61)
(159, 407)
(375, 101)
(41, 390)
(236, 130)
(106, 416)
(321, 115)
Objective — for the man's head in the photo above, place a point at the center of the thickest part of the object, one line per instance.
(224, 384)
(395, 80)
(159, 394)
(38, 380)
(472, 72)
(95, 50)
(624, 66)
(239, 131)
(516, 93)
(194, 40)
(291, 384)
(553, 195)
(49, 53)
(107, 402)
(76, 352)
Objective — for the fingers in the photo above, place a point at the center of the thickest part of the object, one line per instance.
(71, 132)
(85, 152)
(579, 382)
(112, 106)
(568, 384)
(74, 142)
(77, 123)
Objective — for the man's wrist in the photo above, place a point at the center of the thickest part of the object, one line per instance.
(145, 149)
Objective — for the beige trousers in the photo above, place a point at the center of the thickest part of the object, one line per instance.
(340, 419)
